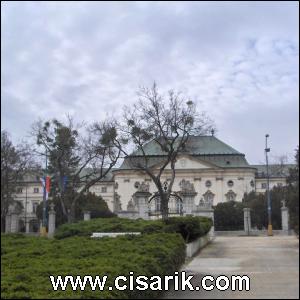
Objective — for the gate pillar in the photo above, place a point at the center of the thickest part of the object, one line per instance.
(247, 220)
(141, 200)
(284, 218)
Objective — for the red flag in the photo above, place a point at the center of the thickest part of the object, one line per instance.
(48, 184)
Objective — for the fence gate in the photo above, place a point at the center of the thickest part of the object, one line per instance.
(175, 206)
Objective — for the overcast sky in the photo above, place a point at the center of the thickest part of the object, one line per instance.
(239, 61)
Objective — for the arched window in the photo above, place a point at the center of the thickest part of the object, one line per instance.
(157, 204)
(34, 225)
(230, 196)
(208, 198)
(22, 226)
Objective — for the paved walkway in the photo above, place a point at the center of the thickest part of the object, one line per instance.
(272, 263)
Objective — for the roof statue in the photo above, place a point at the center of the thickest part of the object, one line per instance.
(143, 187)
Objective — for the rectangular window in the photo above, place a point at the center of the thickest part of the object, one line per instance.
(36, 190)
(19, 190)
(263, 185)
(126, 180)
(34, 206)
(104, 189)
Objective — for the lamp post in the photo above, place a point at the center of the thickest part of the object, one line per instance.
(25, 216)
(270, 230)
(44, 222)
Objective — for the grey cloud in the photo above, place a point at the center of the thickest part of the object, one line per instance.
(235, 59)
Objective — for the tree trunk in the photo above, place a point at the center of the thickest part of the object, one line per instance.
(64, 211)
(71, 214)
(3, 224)
(164, 206)
(72, 210)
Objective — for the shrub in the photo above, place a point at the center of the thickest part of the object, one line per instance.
(86, 228)
(26, 274)
(229, 216)
(189, 227)
(293, 205)
(152, 228)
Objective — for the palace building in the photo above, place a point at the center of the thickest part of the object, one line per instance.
(208, 170)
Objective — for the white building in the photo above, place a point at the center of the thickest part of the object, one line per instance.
(216, 172)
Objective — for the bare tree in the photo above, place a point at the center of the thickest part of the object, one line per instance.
(16, 161)
(279, 165)
(168, 122)
(79, 157)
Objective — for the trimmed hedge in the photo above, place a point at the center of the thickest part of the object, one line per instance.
(27, 263)
(86, 228)
(189, 227)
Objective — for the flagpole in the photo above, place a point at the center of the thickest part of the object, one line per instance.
(44, 222)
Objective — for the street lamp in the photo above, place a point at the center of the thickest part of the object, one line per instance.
(270, 230)
(44, 222)
(25, 216)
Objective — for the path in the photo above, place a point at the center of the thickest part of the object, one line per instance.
(272, 263)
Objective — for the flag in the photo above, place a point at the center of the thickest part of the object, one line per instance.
(64, 182)
(46, 185)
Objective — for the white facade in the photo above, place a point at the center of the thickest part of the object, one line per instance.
(205, 177)
(261, 183)
(106, 191)
(217, 172)
(29, 194)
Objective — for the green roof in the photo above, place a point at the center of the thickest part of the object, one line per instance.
(205, 148)
(275, 170)
(196, 145)
(218, 160)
